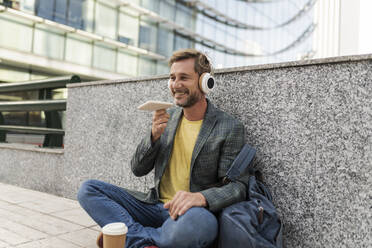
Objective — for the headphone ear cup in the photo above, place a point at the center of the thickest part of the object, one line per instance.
(206, 82)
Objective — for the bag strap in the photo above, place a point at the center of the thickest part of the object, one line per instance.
(240, 164)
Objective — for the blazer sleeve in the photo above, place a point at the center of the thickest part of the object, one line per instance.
(143, 159)
(226, 195)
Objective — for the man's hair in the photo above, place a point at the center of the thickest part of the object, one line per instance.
(201, 64)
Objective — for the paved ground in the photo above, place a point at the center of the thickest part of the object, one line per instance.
(31, 219)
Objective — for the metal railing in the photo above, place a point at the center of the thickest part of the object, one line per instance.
(53, 130)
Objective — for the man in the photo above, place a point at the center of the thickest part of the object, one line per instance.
(191, 149)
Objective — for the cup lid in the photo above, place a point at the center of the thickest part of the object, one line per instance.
(116, 228)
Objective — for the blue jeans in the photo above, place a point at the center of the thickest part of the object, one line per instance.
(148, 224)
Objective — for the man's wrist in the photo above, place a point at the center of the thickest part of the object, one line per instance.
(153, 140)
(203, 200)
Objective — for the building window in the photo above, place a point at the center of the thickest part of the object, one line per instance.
(104, 58)
(167, 9)
(78, 51)
(184, 16)
(128, 28)
(162, 68)
(165, 42)
(147, 36)
(88, 15)
(60, 11)
(127, 63)
(146, 66)
(106, 20)
(68, 12)
(15, 34)
(45, 9)
(48, 43)
(181, 42)
(152, 5)
(75, 10)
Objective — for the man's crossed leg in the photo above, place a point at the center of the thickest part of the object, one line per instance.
(148, 224)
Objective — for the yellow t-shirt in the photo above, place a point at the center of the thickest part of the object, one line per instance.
(177, 174)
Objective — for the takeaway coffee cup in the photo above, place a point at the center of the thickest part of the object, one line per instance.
(114, 235)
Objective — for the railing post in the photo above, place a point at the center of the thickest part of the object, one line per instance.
(2, 132)
(53, 120)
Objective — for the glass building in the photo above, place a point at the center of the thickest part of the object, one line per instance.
(106, 39)
(111, 39)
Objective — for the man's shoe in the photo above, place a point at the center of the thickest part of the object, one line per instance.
(99, 241)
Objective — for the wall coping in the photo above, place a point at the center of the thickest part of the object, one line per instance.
(298, 63)
(31, 148)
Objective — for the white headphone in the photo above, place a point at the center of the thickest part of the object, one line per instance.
(206, 82)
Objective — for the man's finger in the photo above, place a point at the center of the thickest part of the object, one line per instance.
(161, 113)
(172, 203)
(161, 121)
(171, 208)
(172, 214)
(184, 209)
(178, 201)
(178, 205)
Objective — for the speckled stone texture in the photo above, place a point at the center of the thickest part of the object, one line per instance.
(31, 169)
(311, 123)
(103, 130)
(312, 127)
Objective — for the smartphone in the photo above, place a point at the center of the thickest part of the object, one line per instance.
(154, 105)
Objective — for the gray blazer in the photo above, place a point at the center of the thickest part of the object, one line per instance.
(220, 139)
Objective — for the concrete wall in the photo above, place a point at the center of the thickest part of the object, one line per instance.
(30, 167)
(310, 121)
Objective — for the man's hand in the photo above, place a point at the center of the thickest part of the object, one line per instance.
(182, 201)
(159, 122)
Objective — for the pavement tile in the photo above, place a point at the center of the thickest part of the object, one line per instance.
(96, 227)
(85, 237)
(44, 223)
(31, 219)
(51, 225)
(15, 197)
(9, 215)
(50, 206)
(4, 203)
(3, 244)
(78, 216)
(40, 195)
(14, 194)
(11, 237)
(24, 231)
(51, 242)
(9, 187)
(20, 210)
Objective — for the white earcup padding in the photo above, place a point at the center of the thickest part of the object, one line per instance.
(206, 82)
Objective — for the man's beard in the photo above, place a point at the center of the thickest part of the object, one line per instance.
(190, 100)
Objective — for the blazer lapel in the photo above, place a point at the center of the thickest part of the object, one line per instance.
(207, 126)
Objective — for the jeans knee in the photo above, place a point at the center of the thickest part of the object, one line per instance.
(86, 188)
(196, 228)
(205, 227)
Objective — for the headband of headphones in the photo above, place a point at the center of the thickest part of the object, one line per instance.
(206, 82)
